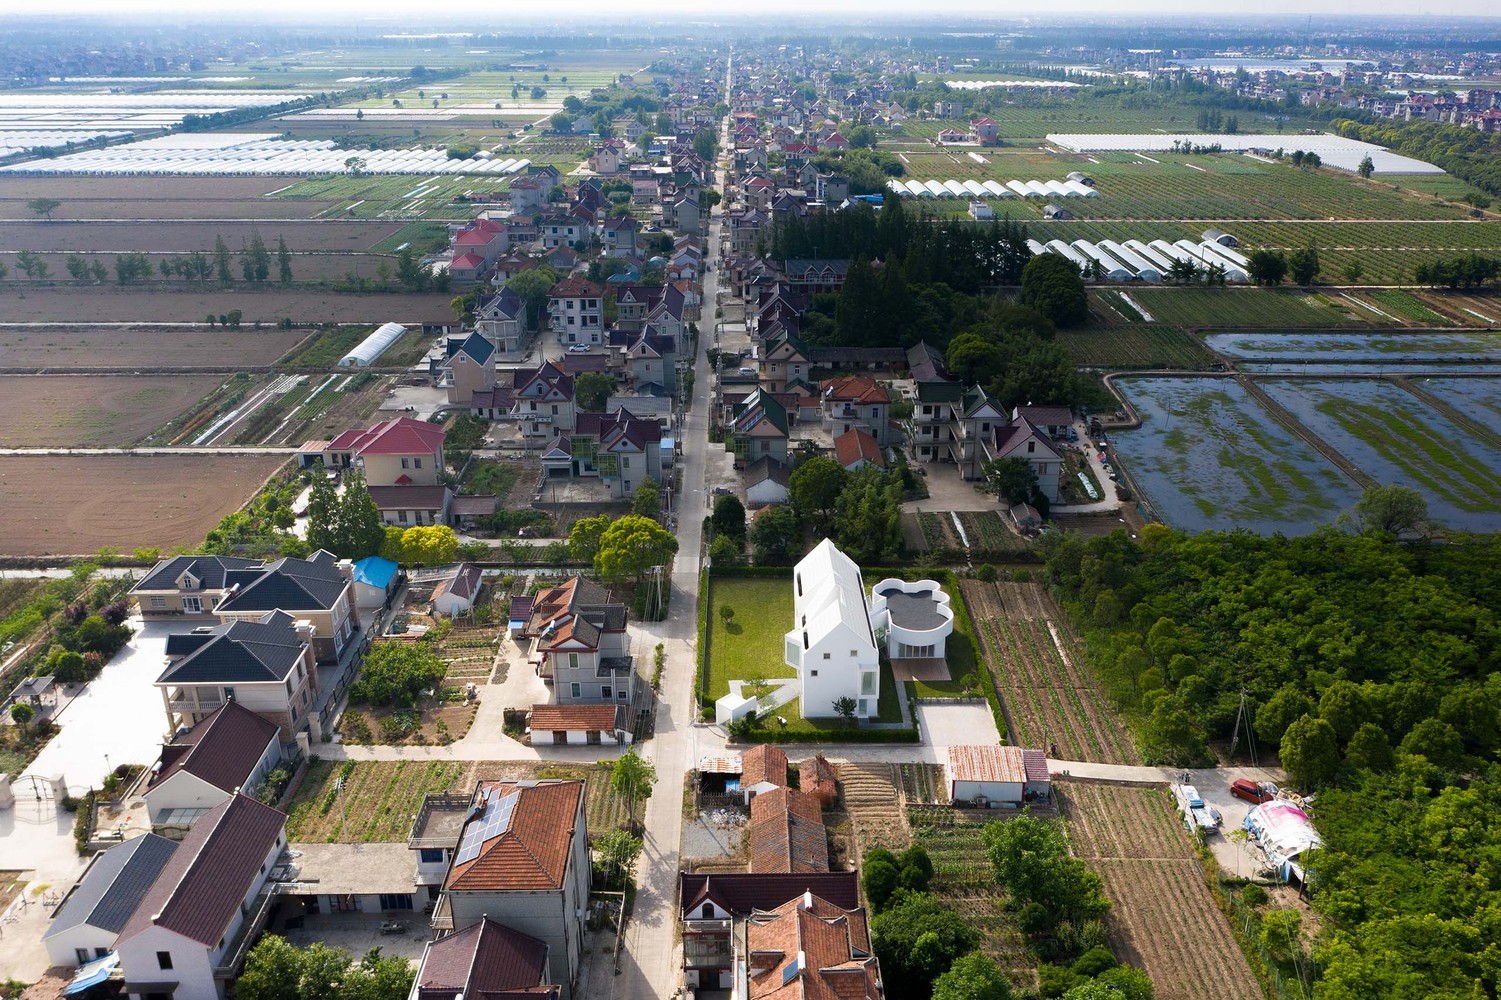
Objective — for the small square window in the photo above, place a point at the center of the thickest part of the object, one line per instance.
(164, 959)
(814, 672)
(828, 656)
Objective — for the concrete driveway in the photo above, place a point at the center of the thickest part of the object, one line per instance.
(117, 719)
(947, 490)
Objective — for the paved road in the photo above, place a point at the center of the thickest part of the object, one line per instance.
(238, 450)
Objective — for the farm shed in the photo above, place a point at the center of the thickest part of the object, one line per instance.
(595, 725)
(815, 777)
(1284, 831)
(980, 212)
(1224, 239)
(375, 580)
(1052, 210)
(997, 776)
(455, 595)
(373, 346)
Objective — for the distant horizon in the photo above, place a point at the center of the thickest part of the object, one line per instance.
(861, 13)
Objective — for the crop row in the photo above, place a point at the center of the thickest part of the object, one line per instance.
(1244, 307)
(1136, 348)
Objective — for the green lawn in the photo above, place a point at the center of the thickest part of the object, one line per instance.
(889, 709)
(750, 647)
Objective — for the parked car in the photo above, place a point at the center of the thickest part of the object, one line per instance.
(1253, 792)
(578, 348)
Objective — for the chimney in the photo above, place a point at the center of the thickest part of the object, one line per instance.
(304, 631)
(346, 569)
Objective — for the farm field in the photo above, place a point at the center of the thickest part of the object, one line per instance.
(168, 236)
(380, 798)
(146, 305)
(1478, 398)
(1209, 457)
(93, 411)
(57, 348)
(276, 410)
(749, 647)
(872, 796)
(1353, 348)
(1397, 438)
(1135, 347)
(964, 879)
(1163, 918)
(154, 192)
(74, 505)
(1245, 307)
(372, 197)
(1045, 687)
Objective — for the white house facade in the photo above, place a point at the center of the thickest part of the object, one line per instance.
(832, 644)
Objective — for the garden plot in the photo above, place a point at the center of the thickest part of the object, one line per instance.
(1247, 307)
(1163, 917)
(1210, 457)
(1357, 349)
(1049, 697)
(1135, 347)
(1397, 438)
(378, 801)
(873, 798)
(95, 410)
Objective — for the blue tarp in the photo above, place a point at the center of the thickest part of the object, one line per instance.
(93, 974)
(373, 571)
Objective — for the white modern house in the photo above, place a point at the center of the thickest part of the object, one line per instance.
(914, 618)
(832, 644)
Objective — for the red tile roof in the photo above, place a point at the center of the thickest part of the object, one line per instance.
(763, 762)
(398, 436)
(986, 763)
(742, 892)
(532, 851)
(199, 891)
(854, 389)
(466, 262)
(787, 833)
(485, 960)
(815, 777)
(853, 445)
(575, 718)
(576, 287)
(810, 949)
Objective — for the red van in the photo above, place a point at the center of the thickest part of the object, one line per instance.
(1245, 788)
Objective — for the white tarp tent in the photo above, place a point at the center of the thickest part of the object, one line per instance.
(1283, 828)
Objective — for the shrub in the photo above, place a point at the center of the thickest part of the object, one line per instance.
(985, 573)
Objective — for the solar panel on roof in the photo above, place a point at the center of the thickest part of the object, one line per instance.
(495, 821)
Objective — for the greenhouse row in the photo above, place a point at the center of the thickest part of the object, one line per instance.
(1134, 260)
(994, 189)
(263, 155)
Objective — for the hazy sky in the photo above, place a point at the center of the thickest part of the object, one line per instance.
(372, 10)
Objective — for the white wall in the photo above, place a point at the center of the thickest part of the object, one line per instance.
(61, 946)
(825, 680)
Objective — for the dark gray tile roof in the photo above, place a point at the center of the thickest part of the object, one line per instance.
(210, 569)
(314, 583)
(114, 885)
(237, 652)
(914, 611)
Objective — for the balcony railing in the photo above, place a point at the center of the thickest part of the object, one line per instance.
(190, 706)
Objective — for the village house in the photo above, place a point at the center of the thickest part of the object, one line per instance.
(522, 860)
(188, 585)
(501, 319)
(265, 665)
(808, 948)
(997, 776)
(318, 590)
(486, 960)
(758, 428)
(856, 402)
(832, 644)
(577, 642)
(468, 368)
(575, 310)
(96, 909)
(714, 906)
(786, 833)
(188, 936)
(544, 400)
(232, 749)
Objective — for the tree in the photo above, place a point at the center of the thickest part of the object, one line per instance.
(283, 261)
(323, 514)
(618, 851)
(361, 530)
(1438, 741)
(1303, 265)
(1030, 858)
(844, 708)
(1281, 710)
(1393, 510)
(1266, 267)
(1369, 748)
(917, 939)
(221, 261)
(776, 537)
(975, 976)
(429, 545)
(533, 287)
(632, 777)
(1051, 284)
(391, 547)
(1280, 930)
(584, 536)
(592, 389)
(880, 876)
(44, 206)
(277, 970)
(648, 499)
(78, 268)
(1012, 479)
(396, 673)
(726, 551)
(356, 164)
(704, 144)
(728, 519)
(868, 515)
(814, 489)
(631, 546)
(1366, 168)
(1310, 751)
(22, 714)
